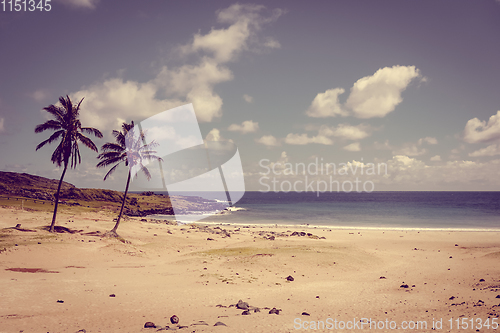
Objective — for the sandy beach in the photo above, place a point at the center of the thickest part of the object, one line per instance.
(83, 282)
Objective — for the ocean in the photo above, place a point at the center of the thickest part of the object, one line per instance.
(387, 210)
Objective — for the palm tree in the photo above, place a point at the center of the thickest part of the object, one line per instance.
(131, 150)
(68, 128)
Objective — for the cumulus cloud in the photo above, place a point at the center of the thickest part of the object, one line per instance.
(371, 96)
(353, 147)
(248, 98)
(345, 131)
(326, 133)
(304, 139)
(410, 150)
(108, 104)
(112, 101)
(225, 44)
(436, 158)
(89, 4)
(477, 131)
(268, 140)
(327, 104)
(429, 140)
(214, 135)
(415, 149)
(248, 126)
(379, 94)
(491, 150)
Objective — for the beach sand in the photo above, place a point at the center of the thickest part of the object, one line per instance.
(163, 270)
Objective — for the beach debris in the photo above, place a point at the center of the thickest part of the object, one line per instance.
(274, 311)
(149, 324)
(255, 310)
(60, 301)
(451, 257)
(174, 319)
(112, 295)
(482, 280)
(290, 278)
(81, 331)
(242, 305)
(456, 244)
(200, 322)
(305, 313)
(452, 298)
(246, 313)
(404, 286)
(498, 296)
(219, 323)
(382, 277)
(271, 238)
(210, 239)
(317, 296)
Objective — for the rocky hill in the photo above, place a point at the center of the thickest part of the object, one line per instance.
(36, 187)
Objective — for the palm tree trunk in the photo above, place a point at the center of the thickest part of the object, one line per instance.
(57, 198)
(123, 205)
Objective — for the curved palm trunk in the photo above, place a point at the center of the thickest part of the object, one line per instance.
(57, 199)
(123, 205)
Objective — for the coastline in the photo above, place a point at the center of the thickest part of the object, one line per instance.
(200, 272)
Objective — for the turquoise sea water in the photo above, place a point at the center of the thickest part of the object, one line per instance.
(440, 210)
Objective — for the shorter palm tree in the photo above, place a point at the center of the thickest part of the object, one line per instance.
(131, 150)
(67, 127)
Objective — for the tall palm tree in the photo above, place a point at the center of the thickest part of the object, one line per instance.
(68, 128)
(131, 150)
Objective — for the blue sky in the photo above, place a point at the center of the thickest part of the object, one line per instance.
(413, 85)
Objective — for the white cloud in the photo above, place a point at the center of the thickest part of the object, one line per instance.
(226, 44)
(491, 150)
(325, 133)
(479, 131)
(304, 139)
(90, 4)
(429, 140)
(214, 135)
(108, 103)
(410, 150)
(436, 158)
(112, 101)
(272, 43)
(327, 104)
(248, 98)
(345, 131)
(415, 149)
(268, 140)
(353, 147)
(379, 94)
(248, 126)
(371, 96)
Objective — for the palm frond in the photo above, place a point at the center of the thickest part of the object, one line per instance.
(48, 125)
(93, 131)
(110, 146)
(111, 171)
(52, 138)
(109, 161)
(86, 141)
